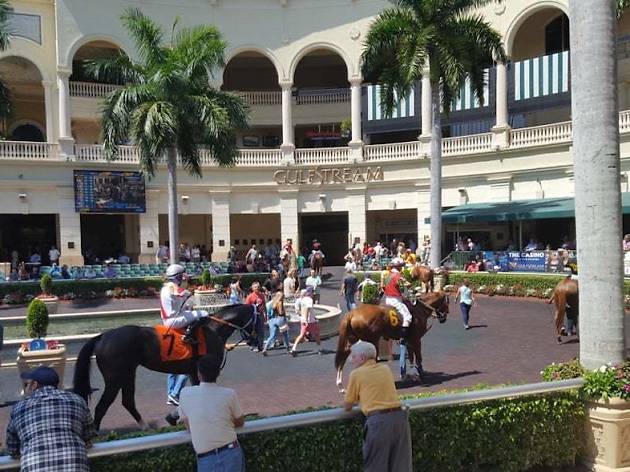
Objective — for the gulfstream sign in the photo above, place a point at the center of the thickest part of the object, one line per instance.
(332, 175)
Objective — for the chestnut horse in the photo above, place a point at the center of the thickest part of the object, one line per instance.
(566, 300)
(425, 275)
(371, 322)
(317, 263)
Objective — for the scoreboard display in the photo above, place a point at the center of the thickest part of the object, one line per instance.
(109, 192)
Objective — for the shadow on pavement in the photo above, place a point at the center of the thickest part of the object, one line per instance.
(430, 379)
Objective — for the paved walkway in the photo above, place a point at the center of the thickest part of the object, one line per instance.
(511, 341)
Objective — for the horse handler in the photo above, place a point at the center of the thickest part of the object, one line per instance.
(387, 436)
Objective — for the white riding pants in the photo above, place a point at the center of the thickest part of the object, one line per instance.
(401, 308)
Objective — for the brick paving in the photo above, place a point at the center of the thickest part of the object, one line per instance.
(511, 341)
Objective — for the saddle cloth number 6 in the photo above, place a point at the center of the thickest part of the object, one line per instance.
(393, 318)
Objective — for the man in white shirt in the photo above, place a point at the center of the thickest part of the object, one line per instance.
(314, 281)
(308, 320)
(211, 413)
(53, 255)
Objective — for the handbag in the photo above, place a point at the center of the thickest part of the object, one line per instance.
(284, 328)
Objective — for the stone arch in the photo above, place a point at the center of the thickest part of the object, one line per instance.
(28, 122)
(29, 56)
(260, 50)
(83, 40)
(350, 67)
(524, 14)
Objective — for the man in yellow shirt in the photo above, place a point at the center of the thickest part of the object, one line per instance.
(387, 438)
(410, 257)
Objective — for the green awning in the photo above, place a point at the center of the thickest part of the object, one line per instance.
(539, 209)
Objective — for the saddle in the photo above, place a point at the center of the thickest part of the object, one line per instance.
(173, 349)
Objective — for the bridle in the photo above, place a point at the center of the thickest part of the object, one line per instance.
(438, 313)
(245, 334)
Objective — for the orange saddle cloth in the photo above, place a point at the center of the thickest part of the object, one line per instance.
(172, 348)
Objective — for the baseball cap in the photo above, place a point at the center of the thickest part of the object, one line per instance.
(42, 375)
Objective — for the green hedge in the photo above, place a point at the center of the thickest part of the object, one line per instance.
(505, 435)
(87, 288)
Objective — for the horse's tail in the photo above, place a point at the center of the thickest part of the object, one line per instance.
(81, 380)
(342, 344)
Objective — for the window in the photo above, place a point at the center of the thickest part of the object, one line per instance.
(557, 35)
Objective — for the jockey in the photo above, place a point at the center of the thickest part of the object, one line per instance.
(173, 307)
(394, 285)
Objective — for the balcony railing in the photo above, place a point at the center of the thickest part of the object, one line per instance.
(318, 96)
(27, 150)
(392, 152)
(263, 97)
(545, 135)
(462, 145)
(91, 89)
(332, 155)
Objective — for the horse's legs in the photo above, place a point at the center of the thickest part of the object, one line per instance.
(108, 397)
(559, 318)
(128, 398)
(416, 349)
(341, 359)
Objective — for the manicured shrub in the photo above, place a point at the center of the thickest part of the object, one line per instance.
(206, 279)
(36, 319)
(506, 435)
(46, 284)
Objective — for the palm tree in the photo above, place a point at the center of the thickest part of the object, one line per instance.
(596, 164)
(167, 107)
(455, 43)
(5, 37)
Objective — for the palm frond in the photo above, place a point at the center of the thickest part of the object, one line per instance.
(200, 50)
(6, 107)
(395, 51)
(117, 69)
(621, 7)
(146, 34)
(454, 8)
(5, 33)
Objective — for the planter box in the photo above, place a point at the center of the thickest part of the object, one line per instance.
(209, 300)
(51, 303)
(608, 435)
(55, 358)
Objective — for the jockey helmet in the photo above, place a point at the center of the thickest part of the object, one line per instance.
(397, 262)
(175, 273)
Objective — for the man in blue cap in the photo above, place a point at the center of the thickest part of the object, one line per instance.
(51, 429)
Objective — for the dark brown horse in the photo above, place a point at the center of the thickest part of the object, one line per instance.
(317, 263)
(566, 300)
(371, 322)
(120, 351)
(425, 275)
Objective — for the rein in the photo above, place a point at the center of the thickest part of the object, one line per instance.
(241, 329)
(435, 313)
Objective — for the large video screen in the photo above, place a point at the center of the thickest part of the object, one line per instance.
(98, 191)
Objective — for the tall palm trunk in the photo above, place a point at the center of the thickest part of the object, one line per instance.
(597, 181)
(173, 224)
(436, 176)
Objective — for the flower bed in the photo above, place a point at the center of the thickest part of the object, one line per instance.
(505, 435)
(17, 293)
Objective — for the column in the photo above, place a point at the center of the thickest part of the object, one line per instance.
(357, 215)
(69, 229)
(65, 128)
(49, 105)
(427, 117)
(356, 144)
(149, 228)
(424, 212)
(289, 220)
(288, 146)
(221, 238)
(501, 131)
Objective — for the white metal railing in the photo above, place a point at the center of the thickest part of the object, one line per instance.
(555, 133)
(316, 96)
(264, 97)
(472, 144)
(332, 155)
(125, 446)
(27, 150)
(392, 152)
(91, 89)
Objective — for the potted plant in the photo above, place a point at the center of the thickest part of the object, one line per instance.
(51, 301)
(345, 127)
(39, 351)
(606, 392)
(205, 295)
